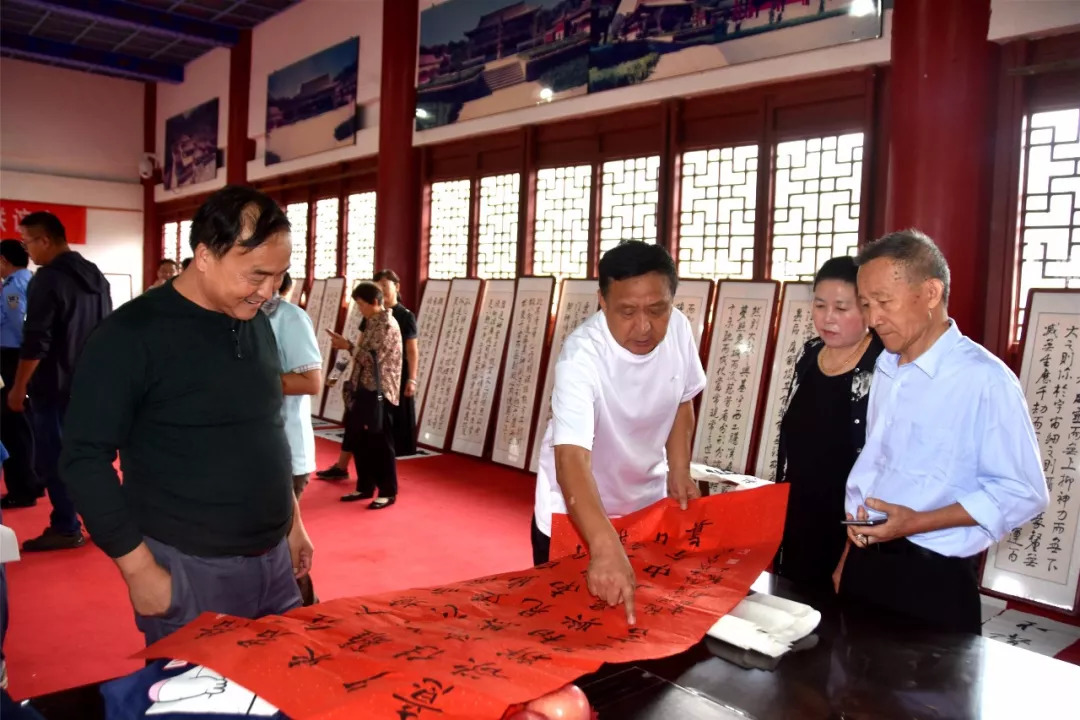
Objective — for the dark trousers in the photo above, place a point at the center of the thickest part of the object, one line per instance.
(541, 544)
(22, 482)
(48, 420)
(247, 587)
(404, 424)
(926, 588)
(373, 456)
(305, 585)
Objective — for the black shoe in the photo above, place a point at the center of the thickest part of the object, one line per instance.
(333, 473)
(383, 502)
(354, 496)
(53, 540)
(8, 502)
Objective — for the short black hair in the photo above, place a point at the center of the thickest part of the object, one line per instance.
(920, 256)
(15, 253)
(369, 292)
(634, 258)
(236, 216)
(286, 284)
(167, 261)
(48, 222)
(387, 274)
(842, 268)
(185, 262)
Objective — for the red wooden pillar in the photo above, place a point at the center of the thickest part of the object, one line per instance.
(941, 147)
(397, 210)
(236, 149)
(152, 250)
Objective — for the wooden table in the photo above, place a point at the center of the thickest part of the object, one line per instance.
(857, 664)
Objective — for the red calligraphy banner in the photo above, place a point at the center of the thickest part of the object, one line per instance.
(472, 649)
(72, 216)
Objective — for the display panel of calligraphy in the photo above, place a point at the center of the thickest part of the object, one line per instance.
(692, 300)
(429, 322)
(315, 300)
(1040, 562)
(577, 303)
(457, 328)
(796, 327)
(741, 329)
(328, 317)
(532, 310)
(482, 375)
(334, 408)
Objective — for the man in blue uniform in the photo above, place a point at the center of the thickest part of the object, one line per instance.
(22, 483)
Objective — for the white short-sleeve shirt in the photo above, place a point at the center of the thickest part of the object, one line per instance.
(621, 407)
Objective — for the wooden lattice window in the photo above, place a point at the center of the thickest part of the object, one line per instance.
(718, 203)
(298, 218)
(629, 196)
(184, 241)
(497, 226)
(561, 239)
(170, 243)
(1049, 218)
(448, 236)
(360, 239)
(817, 187)
(326, 238)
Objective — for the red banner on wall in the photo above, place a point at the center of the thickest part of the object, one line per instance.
(72, 216)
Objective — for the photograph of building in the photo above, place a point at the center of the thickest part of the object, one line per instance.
(311, 104)
(191, 144)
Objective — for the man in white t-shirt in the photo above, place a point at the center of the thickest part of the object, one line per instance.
(622, 415)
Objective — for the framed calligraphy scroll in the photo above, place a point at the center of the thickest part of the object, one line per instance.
(314, 301)
(334, 409)
(1040, 562)
(482, 375)
(577, 303)
(692, 300)
(741, 329)
(429, 322)
(454, 341)
(328, 320)
(521, 371)
(794, 329)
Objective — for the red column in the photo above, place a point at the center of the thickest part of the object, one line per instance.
(152, 249)
(940, 146)
(397, 213)
(236, 146)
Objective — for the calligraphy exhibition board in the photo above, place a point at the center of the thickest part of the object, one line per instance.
(482, 375)
(577, 303)
(469, 650)
(341, 370)
(741, 329)
(328, 319)
(795, 328)
(1040, 562)
(692, 300)
(429, 321)
(457, 330)
(521, 372)
(315, 300)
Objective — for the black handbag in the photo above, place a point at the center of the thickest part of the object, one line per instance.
(366, 413)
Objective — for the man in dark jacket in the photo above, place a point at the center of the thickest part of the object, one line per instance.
(65, 301)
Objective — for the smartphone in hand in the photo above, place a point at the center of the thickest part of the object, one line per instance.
(867, 522)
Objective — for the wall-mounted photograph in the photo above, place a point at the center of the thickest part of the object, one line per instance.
(311, 104)
(191, 146)
(482, 57)
(644, 40)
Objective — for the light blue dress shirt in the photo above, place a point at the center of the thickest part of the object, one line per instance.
(952, 426)
(13, 313)
(298, 350)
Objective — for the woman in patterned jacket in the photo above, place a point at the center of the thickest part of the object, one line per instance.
(824, 427)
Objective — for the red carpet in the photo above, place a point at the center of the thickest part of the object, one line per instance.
(71, 620)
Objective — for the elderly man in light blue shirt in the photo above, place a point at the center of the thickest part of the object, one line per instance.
(951, 462)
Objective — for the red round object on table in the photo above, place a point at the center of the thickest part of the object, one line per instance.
(568, 703)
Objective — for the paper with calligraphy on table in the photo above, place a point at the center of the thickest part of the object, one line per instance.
(1040, 561)
(469, 650)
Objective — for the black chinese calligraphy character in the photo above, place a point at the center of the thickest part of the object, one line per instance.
(450, 612)
(220, 628)
(695, 532)
(524, 656)
(426, 696)
(364, 640)
(516, 583)
(309, 659)
(405, 602)
(547, 637)
(321, 622)
(654, 570)
(535, 608)
(580, 624)
(494, 625)
(560, 588)
(486, 597)
(365, 610)
(475, 671)
(458, 636)
(351, 687)
(419, 652)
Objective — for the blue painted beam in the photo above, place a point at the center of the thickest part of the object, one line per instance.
(135, 68)
(137, 17)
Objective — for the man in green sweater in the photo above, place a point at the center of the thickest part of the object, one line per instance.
(185, 384)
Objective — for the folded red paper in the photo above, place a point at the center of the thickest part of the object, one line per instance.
(473, 648)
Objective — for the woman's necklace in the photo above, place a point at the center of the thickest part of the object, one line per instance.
(836, 369)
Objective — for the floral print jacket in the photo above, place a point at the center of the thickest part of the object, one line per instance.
(381, 334)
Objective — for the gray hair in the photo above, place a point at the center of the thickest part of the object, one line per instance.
(913, 249)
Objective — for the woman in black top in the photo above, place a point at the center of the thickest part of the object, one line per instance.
(824, 426)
